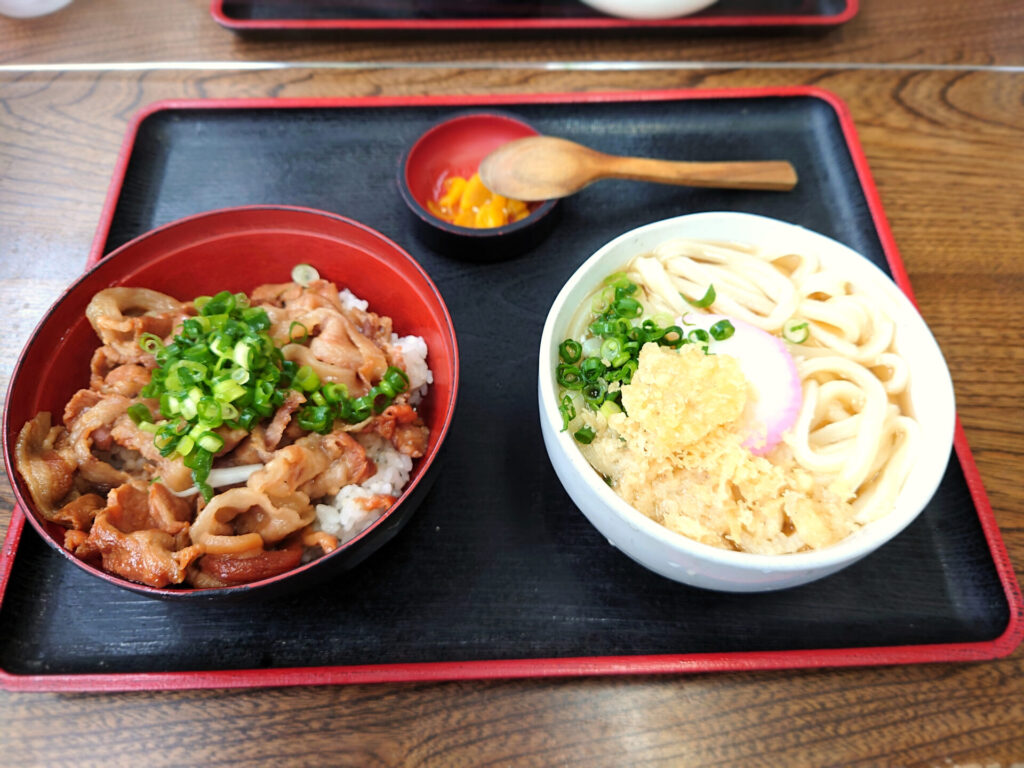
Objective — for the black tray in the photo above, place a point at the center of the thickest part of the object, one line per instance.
(311, 15)
(498, 573)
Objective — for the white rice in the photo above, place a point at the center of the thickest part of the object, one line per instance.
(350, 301)
(414, 355)
(341, 515)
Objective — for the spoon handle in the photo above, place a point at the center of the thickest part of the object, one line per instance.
(774, 175)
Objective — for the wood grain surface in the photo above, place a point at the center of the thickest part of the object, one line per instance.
(944, 148)
(945, 32)
(945, 151)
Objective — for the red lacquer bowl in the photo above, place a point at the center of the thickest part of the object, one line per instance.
(238, 249)
(455, 147)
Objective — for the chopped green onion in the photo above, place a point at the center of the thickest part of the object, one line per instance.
(585, 435)
(210, 412)
(613, 352)
(567, 411)
(396, 378)
(568, 376)
(651, 331)
(306, 379)
(570, 351)
(220, 304)
(673, 337)
(334, 393)
(315, 419)
(706, 301)
(256, 318)
(301, 338)
(722, 330)
(626, 372)
(243, 355)
(139, 413)
(592, 368)
(223, 367)
(304, 274)
(205, 489)
(796, 331)
(379, 399)
(361, 408)
(228, 390)
(594, 393)
(168, 405)
(210, 441)
(608, 408)
(698, 336)
(618, 279)
(199, 461)
(247, 419)
(188, 409)
(602, 300)
(150, 343)
(627, 307)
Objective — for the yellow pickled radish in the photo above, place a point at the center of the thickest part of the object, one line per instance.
(468, 203)
(517, 206)
(455, 187)
(491, 214)
(464, 218)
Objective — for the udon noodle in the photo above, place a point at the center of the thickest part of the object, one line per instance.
(854, 433)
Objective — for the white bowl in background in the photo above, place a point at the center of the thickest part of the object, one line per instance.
(25, 9)
(649, 9)
(685, 560)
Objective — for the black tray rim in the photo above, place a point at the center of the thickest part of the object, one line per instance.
(708, 22)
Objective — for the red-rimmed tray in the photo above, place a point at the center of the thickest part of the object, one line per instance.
(497, 574)
(434, 15)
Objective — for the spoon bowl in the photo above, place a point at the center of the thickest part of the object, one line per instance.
(546, 167)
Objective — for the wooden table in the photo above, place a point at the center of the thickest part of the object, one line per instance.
(945, 149)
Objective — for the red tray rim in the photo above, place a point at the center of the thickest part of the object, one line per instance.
(733, 661)
(792, 20)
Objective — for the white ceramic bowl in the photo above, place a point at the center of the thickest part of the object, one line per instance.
(649, 9)
(677, 557)
(24, 9)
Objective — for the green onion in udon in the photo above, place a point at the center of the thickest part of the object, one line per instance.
(570, 351)
(706, 301)
(795, 330)
(722, 330)
(585, 435)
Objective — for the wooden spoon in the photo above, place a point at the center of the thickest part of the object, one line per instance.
(545, 167)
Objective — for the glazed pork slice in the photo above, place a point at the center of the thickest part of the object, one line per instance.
(47, 471)
(121, 315)
(147, 557)
(172, 472)
(314, 466)
(89, 417)
(243, 520)
(142, 535)
(276, 501)
(314, 329)
(404, 428)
